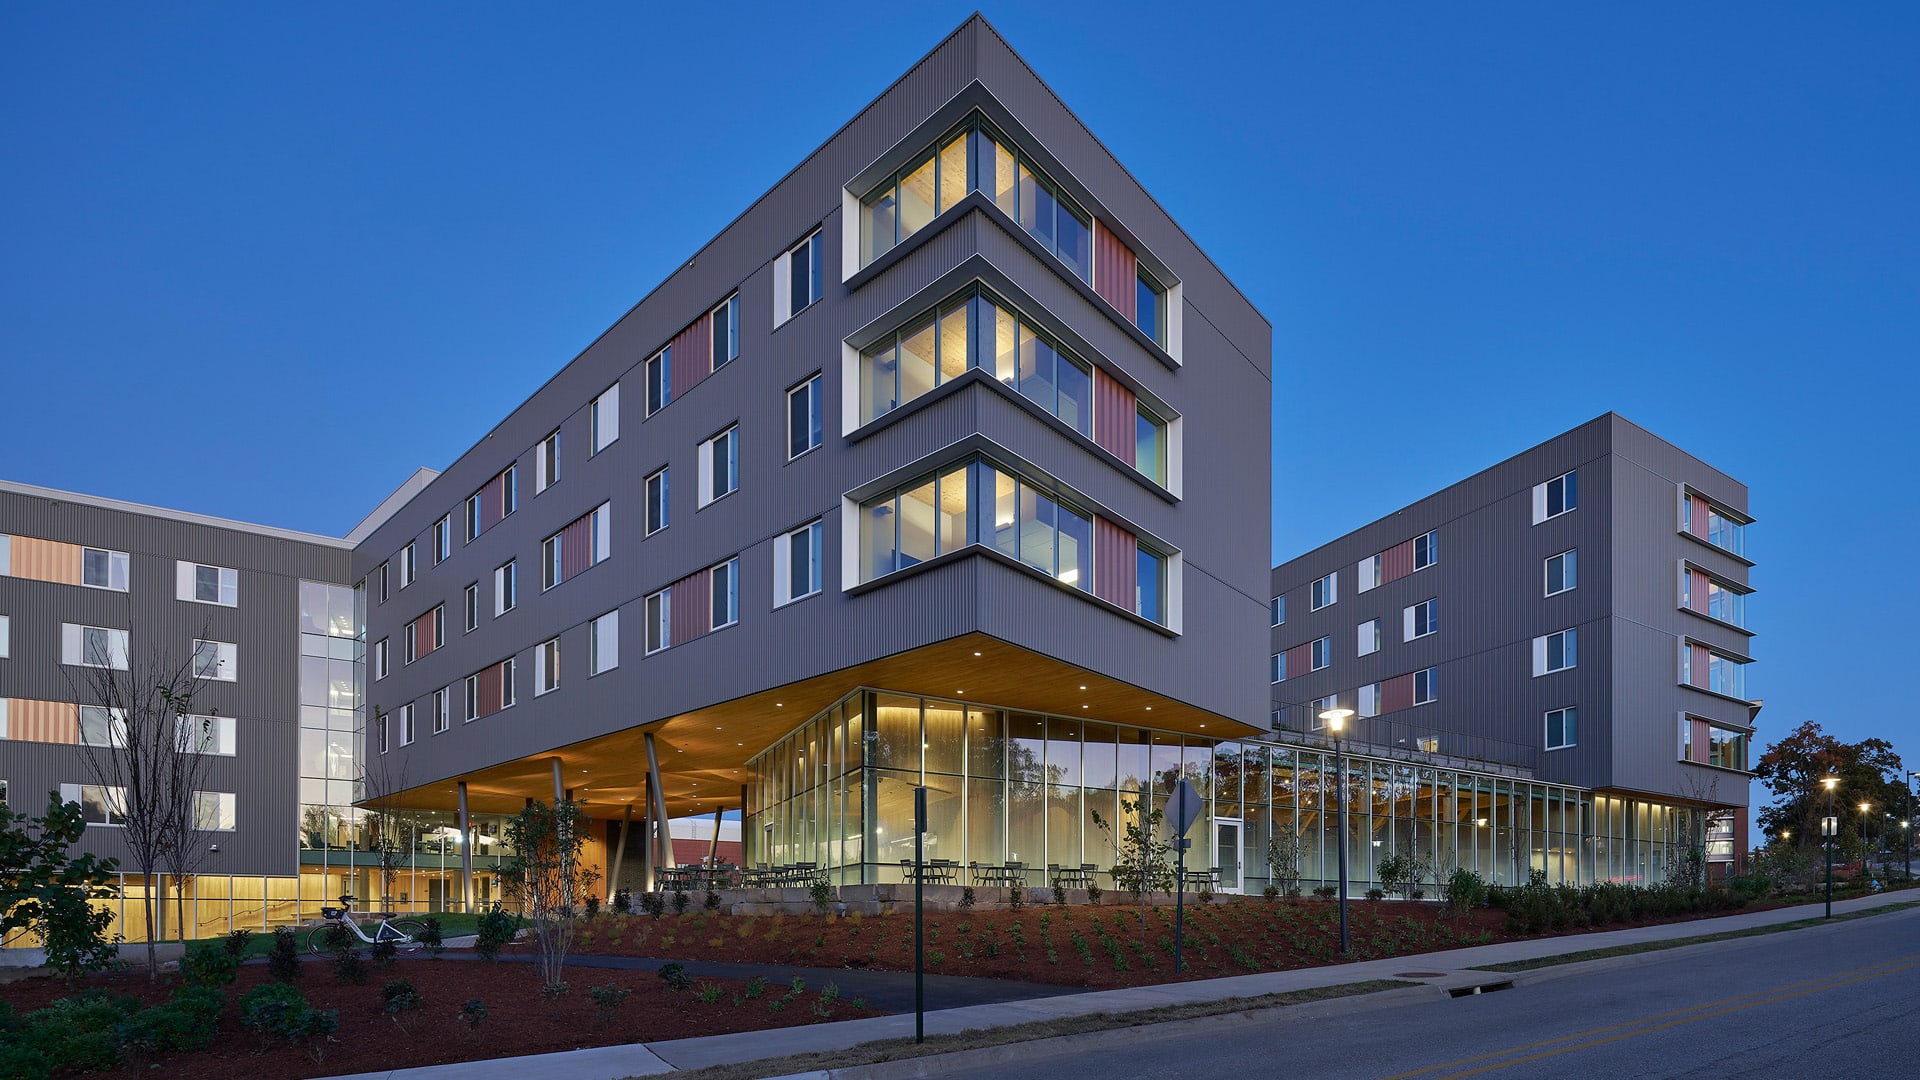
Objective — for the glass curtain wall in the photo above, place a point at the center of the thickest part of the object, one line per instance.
(1004, 785)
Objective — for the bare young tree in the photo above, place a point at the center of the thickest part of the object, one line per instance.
(392, 830)
(133, 706)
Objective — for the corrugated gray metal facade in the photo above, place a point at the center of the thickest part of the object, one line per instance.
(1490, 586)
(1221, 385)
(265, 628)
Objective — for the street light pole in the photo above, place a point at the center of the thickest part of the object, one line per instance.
(1828, 826)
(1907, 826)
(1337, 720)
(1866, 850)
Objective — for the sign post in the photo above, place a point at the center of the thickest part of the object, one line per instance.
(1186, 806)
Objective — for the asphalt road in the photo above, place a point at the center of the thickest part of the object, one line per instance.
(1835, 1001)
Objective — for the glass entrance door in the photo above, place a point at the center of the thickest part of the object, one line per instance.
(1226, 853)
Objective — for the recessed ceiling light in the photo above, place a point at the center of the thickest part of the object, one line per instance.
(1083, 688)
(1149, 708)
(976, 652)
(779, 704)
(1086, 706)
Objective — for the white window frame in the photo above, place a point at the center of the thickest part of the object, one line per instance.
(600, 534)
(1569, 646)
(1366, 637)
(727, 314)
(470, 604)
(730, 572)
(551, 562)
(406, 724)
(603, 643)
(1569, 712)
(546, 462)
(409, 564)
(666, 493)
(226, 657)
(1431, 678)
(709, 468)
(657, 371)
(470, 698)
(546, 667)
(783, 586)
(1320, 653)
(1367, 701)
(1541, 510)
(6, 642)
(95, 717)
(1277, 611)
(1432, 540)
(442, 710)
(506, 587)
(385, 590)
(473, 517)
(603, 420)
(193, 732)
(74, 650)
(111, 798)
(1318, 706)
(224, 817)
(226, 586)
(119, 569)
(1570, 558)
(509, 668)
(1368, 574)
(443, 539)
(785, 304)
(658, 614)
(1411, 618)
(1326, 590)
(1277, 668)
(814, 387)
(382, 660)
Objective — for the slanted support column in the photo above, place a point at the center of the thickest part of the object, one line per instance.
(559, 792)
(466, 851)
(713, 843)
(620, 852)
(663, 840)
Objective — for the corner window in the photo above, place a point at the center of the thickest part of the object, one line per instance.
(726, 332)
(546, 463)
(1422, 619)
(803, 417)
(725, 581)
(547, 667)
(603, 420)
(1563, 728)
(1320, 654)
(910, 199)
(1324, 592)
(656, 502)
(796, 563)
(505, 588)
(1563, 572)
(659, 615)
(799, 277)
(1426, 686)
(1426, 550)
(720, 465)
(1277, 611)
(103, 569)
(603, 643)
(659, 380)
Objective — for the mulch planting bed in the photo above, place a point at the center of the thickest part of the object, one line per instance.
(1097, 947)
(518, 1019)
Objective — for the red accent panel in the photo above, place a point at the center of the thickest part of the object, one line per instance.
(1698, 593)
(690, 852)
(1396, 693)
(1702, 735)
(1699, 516)
(1299, 659)
(1396, 562)
(1115, 554)
(489, 696)
(1701, 658)
(576, 546)
(426, 632)
(692, 606)
(693, 355)
(493, 502)
(1114, 411)
(1115, 274)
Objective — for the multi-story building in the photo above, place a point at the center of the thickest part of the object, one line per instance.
(944, 463)
(1575, 615)
(270, 626)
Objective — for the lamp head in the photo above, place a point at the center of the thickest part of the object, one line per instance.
(1830, 781)
(1864, 807)
(1336, 719)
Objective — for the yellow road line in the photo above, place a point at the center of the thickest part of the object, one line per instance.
(1673, 1023)
(1871, 968)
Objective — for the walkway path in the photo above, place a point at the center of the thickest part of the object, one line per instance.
(1442, 969)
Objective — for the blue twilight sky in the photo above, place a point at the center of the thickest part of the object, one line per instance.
(262, 260)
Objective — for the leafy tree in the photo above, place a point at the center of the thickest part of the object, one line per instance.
(1283, 858)
(548, 876)
(1141, 863)
(44, 886)
(1870, 772)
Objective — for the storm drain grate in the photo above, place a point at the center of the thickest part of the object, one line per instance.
(1484, 988)
(1419, 974)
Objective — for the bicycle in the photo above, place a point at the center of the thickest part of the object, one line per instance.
(407, 935)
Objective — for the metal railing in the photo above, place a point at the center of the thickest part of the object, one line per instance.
(1400, 741)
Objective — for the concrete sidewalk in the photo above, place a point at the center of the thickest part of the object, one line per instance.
(1444, 970)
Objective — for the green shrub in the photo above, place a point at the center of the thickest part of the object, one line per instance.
(432, 938)
(653, 904)
(675, 976)
(1465, 890)
(623, 902)
(209, 964)
(187, 1022)
(283, 960)
(474, 1012)
(608, 998)
(265, 1008)
(399, 996)
(236, 942)
(494, 930)
(680, 902)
